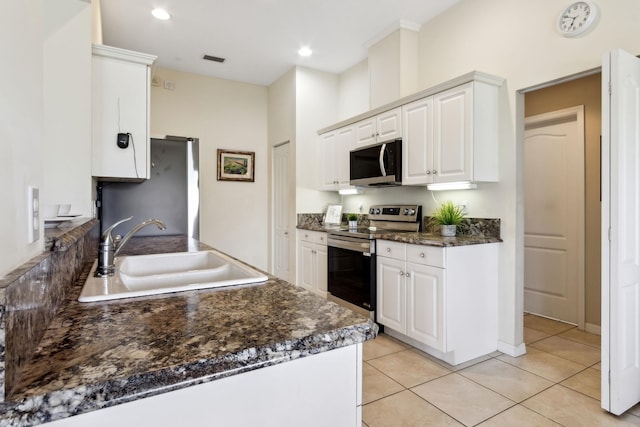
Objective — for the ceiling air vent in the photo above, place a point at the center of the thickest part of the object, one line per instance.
(213, 58)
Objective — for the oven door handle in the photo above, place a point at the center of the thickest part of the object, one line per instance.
(362, 247)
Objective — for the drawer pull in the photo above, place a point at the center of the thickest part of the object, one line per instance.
(421, 254)
(388, 249)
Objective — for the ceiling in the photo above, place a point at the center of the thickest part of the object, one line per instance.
(258, 38)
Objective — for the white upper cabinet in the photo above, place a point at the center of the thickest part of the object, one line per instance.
(120, 93)
(329, 142)
(417, 144)
(381, 128)
(449, 132)
(452, 136)
(336, 146)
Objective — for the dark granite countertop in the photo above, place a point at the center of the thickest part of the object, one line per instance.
(96, 355)
(431, 239)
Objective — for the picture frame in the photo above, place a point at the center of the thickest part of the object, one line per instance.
(333, 215)
(236, 165)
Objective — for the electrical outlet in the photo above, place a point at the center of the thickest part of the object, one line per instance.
(33, 202)
(464, 206)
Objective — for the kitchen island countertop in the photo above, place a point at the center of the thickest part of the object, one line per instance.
(96, 355)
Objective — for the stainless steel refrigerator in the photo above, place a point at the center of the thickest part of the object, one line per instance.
(171, 194)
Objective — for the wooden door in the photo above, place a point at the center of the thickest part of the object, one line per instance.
(620, 381)
(554, 214)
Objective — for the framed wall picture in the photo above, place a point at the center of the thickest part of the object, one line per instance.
(236, 165)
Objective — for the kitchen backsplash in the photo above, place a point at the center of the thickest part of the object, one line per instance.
(31, 294)
(469, 227)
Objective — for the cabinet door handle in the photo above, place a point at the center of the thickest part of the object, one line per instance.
(435, 172)
(306, 236)
(286, 233)
(428, 172)
(402, 273)
(407, 274)
(421, 254)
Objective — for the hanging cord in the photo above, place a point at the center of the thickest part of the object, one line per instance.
(135, 161)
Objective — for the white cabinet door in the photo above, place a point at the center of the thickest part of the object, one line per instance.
(417, 142)
(312, 261)
(120, 100)
(329, 143)
(346, 143)
(389, 125)
(365, 132)
(306, 261)
(322, 259)
(453, 119)
(425, 305)
(391, 310)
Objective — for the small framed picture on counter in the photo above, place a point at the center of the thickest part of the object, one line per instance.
(334, 214)
(236, 165)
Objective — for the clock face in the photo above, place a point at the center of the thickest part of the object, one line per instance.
(577, 18)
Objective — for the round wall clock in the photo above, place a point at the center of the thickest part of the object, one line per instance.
(577, 18)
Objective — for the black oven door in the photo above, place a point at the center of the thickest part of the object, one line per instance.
(352, 275)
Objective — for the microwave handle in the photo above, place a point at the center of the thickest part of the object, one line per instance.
(381, 160)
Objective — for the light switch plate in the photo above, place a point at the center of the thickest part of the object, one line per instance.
(33, 199)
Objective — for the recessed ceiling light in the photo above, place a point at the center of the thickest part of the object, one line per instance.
(160, 14)
(304, 51)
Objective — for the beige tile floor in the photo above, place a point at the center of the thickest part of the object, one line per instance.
(557, 383)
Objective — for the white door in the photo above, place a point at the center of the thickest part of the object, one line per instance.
(452, 130)
(620, 217)
(391, 294)
(281, 200)
(554, 214)
(417, 144)
(425, 304)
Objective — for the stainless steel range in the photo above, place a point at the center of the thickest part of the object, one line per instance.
(352, 255)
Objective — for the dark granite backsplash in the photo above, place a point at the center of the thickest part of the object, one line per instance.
(32, 294)
(489, 227)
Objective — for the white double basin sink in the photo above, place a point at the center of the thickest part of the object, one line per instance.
(142, 275)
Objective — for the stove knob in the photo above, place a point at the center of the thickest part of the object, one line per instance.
(372, 211)
(405, 211)
(378, 211)
(412, 211)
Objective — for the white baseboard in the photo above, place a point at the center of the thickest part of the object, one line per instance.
(592, 329)
(511, 350)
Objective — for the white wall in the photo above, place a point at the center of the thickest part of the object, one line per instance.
(228, 115)
(316, 100)
(67, 106)
(353, 94)
(21, 127)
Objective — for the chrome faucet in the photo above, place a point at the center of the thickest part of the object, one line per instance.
(110, 247)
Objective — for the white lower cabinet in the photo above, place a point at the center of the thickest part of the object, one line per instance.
(312, 261)
(441, 300)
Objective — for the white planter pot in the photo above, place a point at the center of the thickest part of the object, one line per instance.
(448, 230)
(353, 224)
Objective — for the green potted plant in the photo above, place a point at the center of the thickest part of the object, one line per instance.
(447, 216)
(353, 220)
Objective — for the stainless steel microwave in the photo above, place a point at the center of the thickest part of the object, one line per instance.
(377, 165)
